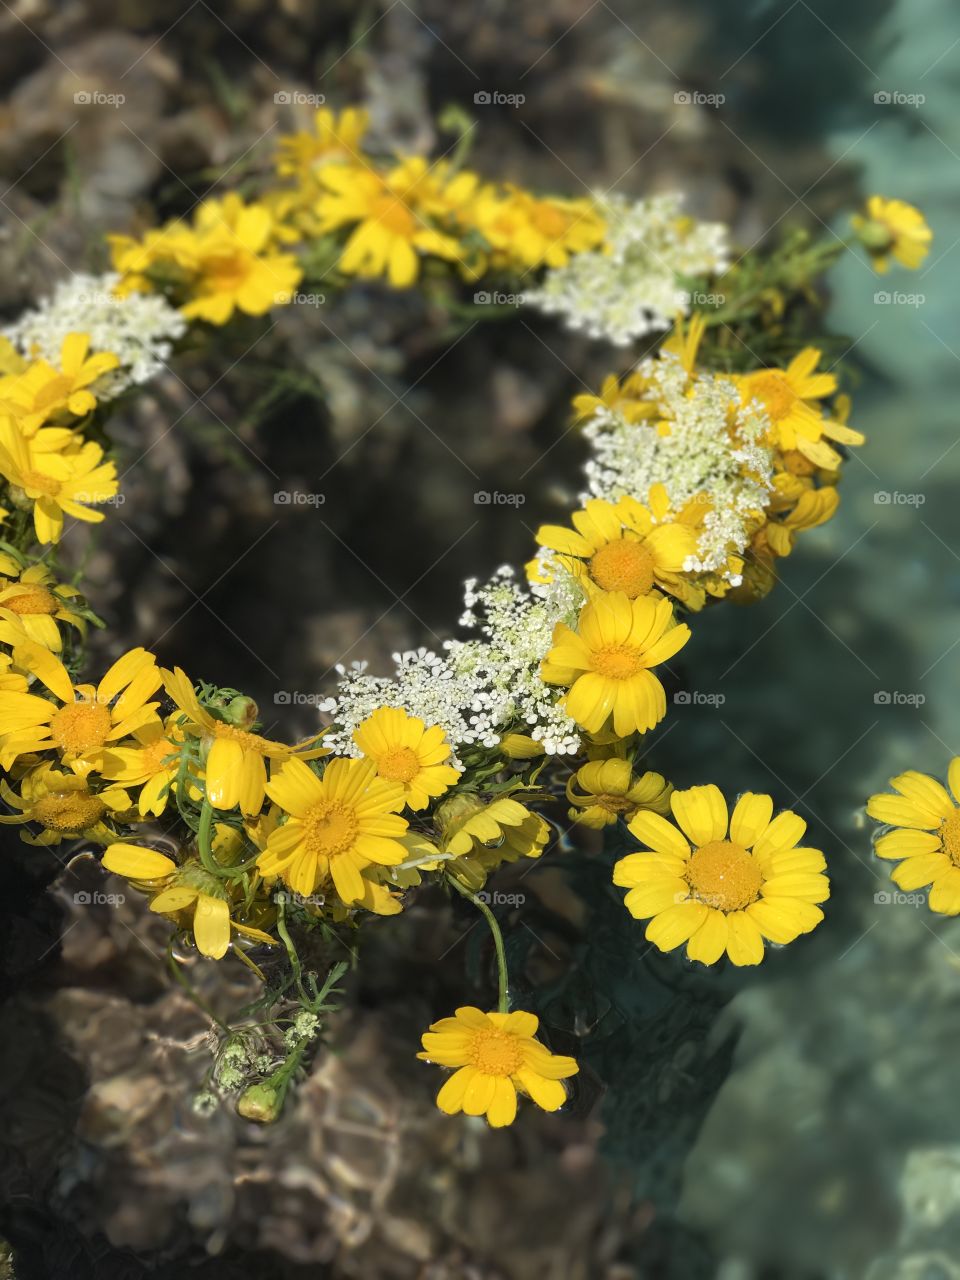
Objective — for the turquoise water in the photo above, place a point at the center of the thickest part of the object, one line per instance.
(833, 1147)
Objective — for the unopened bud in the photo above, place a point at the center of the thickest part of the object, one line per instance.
(260, 1102)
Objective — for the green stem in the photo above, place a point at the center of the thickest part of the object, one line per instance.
(503, 980)
(205, 845)
(291, 951)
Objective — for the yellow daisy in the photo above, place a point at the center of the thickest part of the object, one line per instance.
(389, 230)
(607, 660)
(610, 790)
(334, 139)
(926, 835)
(618, 547)
(337, 825)
(497, 1056)
(234, 769)
(40, 392)
(64, 805)
(38, 601)
(528, 231)
(406, 751)
(152, 765)
(728, 892)
(893, 227)
(235, 267)
(791, 399)
(186, 892)
(628, 398)
(54, 483)
(81, 720)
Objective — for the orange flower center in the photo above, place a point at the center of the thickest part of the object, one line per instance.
(80, 726)
(613, 804)
(399, 764)
(41, 483)
(623, 565)
(549, 222)
(950, 837)
(68, 811)
(394, 215)
(618, 661)
(226, 272)
(495, 1053)
(156, 753)
(723, 875)
(32, 600)
(330, 828)
(776, 393)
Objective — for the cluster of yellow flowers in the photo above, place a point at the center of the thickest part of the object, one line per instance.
(50, 469)
(275, 829)
(380, 217)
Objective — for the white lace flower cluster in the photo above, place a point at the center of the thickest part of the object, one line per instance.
(634, 285)
(707, 444)
(139, 329)
(480, 687)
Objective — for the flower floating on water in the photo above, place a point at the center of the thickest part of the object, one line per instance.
(718, 890)
(496, 1056)
(186, 892)
(925, 835)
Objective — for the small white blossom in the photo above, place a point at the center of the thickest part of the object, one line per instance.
(713, 447)
(139, 329)
(480, 687)
(633, 286)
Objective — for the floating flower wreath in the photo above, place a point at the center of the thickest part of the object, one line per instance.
(701, 474)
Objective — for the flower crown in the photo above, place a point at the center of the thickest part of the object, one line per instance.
(705, 464)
